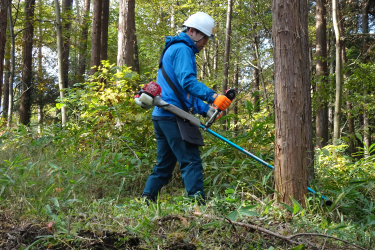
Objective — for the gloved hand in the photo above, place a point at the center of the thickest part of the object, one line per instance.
(222, 102)
(212, 111)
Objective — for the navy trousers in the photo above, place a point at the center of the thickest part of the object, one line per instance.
(170, 149)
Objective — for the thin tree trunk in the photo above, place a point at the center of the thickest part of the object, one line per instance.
(104, 32)
(126, 33)
(96, 36)
(67, 16)
(6, 80)
(3, 31)
(236, 84)
(321, 74)
(40, 71)
(12, 64)
(366, 123)
(226, 53)
(348, 104)
(83, 43)
(332, 84)
(292, 99)
(256, 76)
(60, 60)
(338, 99)
(27, 77)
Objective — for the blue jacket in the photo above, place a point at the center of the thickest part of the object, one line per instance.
(180, 65)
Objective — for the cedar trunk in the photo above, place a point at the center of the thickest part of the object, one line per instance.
(3, 30)
(256, 76)
(227, 47)
(67, 15)
(6, 81)
(126, 34)
(366, 122)
(27, 78)
(104, 32)
(321, 74)
(83, 43)
(293, 124)
(96, 36)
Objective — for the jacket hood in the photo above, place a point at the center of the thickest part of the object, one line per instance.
(182, 37)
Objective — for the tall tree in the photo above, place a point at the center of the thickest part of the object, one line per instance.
(256, 75)
(3, 30)
(27, 76)
(227, 46)
(126, 33)
(292, 99)
(12, 64)
(6, 80)
(366, 122)
(321, 74)
(96, 36)
(83, 42)
(104, 31)
(67, 16)
(60, 59)
(338, 99)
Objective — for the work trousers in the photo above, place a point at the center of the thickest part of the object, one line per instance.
(170, 149)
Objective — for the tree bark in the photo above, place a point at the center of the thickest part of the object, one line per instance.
(348, 104)
(96, 36)
(321, 74)
(3, 31)
(27, 77)
(6, 80)
(67, 16)
(126, 34)
(338, 99)
(292, 99)
(104, 32)
(83, 43)
(366, 123)
(60, 60)
(256, 76)
(227, 46)
(12, 64)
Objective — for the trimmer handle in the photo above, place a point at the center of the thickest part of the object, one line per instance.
(230, 94)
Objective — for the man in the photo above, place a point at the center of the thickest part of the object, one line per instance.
(179, 64)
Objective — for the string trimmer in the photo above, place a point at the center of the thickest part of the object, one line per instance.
(149, 96)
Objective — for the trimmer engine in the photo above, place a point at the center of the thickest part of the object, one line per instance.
(146, 95)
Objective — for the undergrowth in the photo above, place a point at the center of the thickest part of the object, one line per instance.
(77, 186)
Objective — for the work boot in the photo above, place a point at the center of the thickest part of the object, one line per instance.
(148, 198)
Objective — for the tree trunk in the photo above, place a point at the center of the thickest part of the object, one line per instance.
(60, 60)
(236, 84)
(83, 43)
(332, 69)
(12, 64)
(227, 46)
(321, 74)
(6, 80)
(292, 99)
(104, 32)
(366, 123)
(96, 36)
(256, 76)
(226, 54)
(126, 33)
(348, 104)
(67, 16)
(3, 31)
(27, 77)
(338, 99)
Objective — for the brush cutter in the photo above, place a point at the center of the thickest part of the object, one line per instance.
(149, 96)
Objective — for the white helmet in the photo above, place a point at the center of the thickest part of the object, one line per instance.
(202, 22)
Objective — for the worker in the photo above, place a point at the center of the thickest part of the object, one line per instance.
(179, 66)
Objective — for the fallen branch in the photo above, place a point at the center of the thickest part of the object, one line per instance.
(260, 229)
(289, 238)
(327, 236)
(254, 197)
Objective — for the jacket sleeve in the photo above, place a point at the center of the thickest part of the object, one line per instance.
(200, 107)
(184, 71)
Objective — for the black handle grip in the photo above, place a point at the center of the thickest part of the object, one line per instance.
(230, 94)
